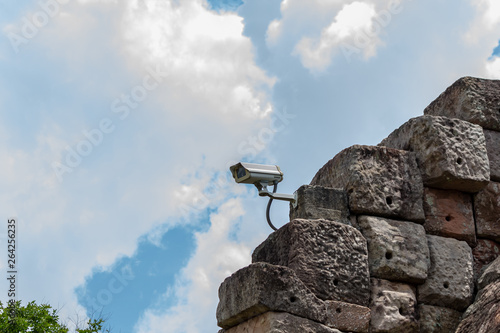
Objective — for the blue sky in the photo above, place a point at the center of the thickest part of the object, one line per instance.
(119, 120)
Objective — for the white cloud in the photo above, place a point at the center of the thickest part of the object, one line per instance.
(162, 156)
(216, 258)
(299, 16)
(492, 12)
(317, 31)
(493, 68)
(352, 26)
(486, 22)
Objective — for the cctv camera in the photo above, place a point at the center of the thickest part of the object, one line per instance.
(250, 173)
(261, 176)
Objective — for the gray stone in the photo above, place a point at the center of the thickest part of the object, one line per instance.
(493, 148)
(472, 99)
(450, 280)
(397, 250)
(262, 287)
(318, 202)
(483, 316)
(435, 319)
(279, 322)
(331, 258)
(491, 274)
(484, 253)
(393, 307)
(348, 317)
(487, 212)
(379, 181)
(451, 153)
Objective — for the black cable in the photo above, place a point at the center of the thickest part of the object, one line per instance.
(269, 207)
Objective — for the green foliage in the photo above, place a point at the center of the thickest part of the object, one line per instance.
(34, 318)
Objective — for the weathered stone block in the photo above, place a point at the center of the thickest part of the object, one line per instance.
(318, 202)
(331, 258)
(451, 153)
(484, 253)
(348, 317)
(397, 250)
(279, 322)
(393, 307)
(490, 275)
(450, 279)
(379, 181)
(471, 99)
(484, 314)
(493, 148)
(487, 211)
(435, 319)
(449, 214)
(262, 287)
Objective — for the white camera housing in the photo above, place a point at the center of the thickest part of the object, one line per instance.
(251, 173)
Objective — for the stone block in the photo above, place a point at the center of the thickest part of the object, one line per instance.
(451, 153)
(348, 317)
(435, 319)
(279, 322)
(450, 280)
(318, 202)
(262, 287)
(379, 181)
(487, 212)
(393, 307)
(397, 250)
(490, 274)
(493, 148)
(484, 314)
(449, 214)
(330, 258)
(472, 99)
(484, 253)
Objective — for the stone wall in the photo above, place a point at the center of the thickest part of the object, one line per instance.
(397, 237)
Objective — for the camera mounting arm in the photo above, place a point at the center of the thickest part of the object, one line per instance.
(263, 192)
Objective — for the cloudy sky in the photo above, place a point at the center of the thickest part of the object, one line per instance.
(119, 120)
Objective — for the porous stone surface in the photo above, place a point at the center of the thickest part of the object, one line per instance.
(318, 202)
(435, 319)
(487, 211)
(450, 278)
(279, 322)
(490, 275)
(393, 307)
(449, 214)
(451, 153)
(348, 317)
(484, 253)
(330, 258)
(493, 148)
(472, 99)
(379, 181)
(397, 250)
(263, 287)
(483, 316)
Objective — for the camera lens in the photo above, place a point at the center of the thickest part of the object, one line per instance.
(241, 172)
